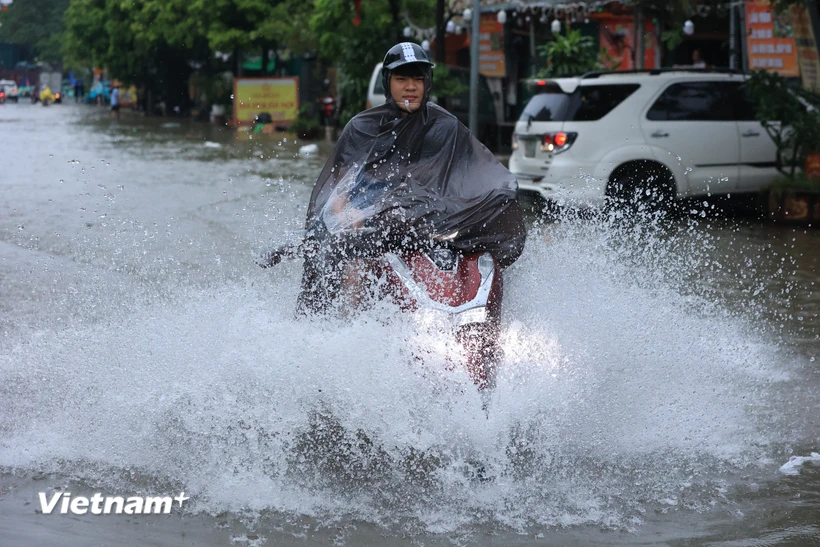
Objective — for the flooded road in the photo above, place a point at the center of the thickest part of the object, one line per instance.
(656, 381)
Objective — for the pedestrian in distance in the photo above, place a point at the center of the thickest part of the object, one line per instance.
(115, 101)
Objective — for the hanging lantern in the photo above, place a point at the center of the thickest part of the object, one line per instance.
(555, 26)
(451, 27)
(502, 17)
(425, 45)
(467, 15)
(689, 28)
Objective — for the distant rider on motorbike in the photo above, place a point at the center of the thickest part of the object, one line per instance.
(433, 177)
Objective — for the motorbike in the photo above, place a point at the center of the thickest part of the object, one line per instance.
(420, 276)
(46, 96)
(328, 110)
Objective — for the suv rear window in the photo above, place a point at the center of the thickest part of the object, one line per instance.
(588, 103)
(547, 107)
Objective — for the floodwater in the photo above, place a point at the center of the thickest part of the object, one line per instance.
(659, 380)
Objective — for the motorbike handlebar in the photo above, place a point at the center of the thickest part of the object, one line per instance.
(362, 241)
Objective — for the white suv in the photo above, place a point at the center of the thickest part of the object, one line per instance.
(672, 133)
(9, 90)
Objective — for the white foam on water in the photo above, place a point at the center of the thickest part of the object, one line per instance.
(792, 467)
(618, 392)
(308, 149)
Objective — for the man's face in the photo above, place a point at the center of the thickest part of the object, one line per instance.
(407, 88)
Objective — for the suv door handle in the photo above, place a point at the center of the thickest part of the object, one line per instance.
(659, 134)
(751, 133)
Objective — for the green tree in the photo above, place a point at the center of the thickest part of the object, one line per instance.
(37, 24)
(155, 43)
(112, 34)
(356, 49)
(782, 5)
(570, 54)
(791, 117)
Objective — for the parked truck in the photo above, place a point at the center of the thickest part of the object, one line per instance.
(52, 80)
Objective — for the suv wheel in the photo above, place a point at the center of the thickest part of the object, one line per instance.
(641, 186)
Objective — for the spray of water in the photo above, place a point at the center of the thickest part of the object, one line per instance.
(623, 387)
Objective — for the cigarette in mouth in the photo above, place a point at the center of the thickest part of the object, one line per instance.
(407, 104)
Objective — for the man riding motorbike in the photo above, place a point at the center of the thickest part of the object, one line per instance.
(438, 185)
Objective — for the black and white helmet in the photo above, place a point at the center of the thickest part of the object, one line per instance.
(402, 54)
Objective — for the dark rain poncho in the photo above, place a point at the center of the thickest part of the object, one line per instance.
(434, 176)
(437, 175)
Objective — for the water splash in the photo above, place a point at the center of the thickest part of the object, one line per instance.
(623, 387)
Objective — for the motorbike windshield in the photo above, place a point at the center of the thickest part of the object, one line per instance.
(354, 201)
(428, 170)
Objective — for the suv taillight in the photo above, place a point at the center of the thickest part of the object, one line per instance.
(557, 142)
(515, 141)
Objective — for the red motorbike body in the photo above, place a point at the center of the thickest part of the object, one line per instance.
(467, 288)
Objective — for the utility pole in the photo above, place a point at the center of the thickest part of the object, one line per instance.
(474, 53)
(440, 32)
(639, 36)
(732, 36)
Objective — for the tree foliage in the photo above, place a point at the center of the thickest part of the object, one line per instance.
(37, 24)
(782, 5)
(137, 40)
(356, 49)
(791, 117)
(157, 43)
(570, 54)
